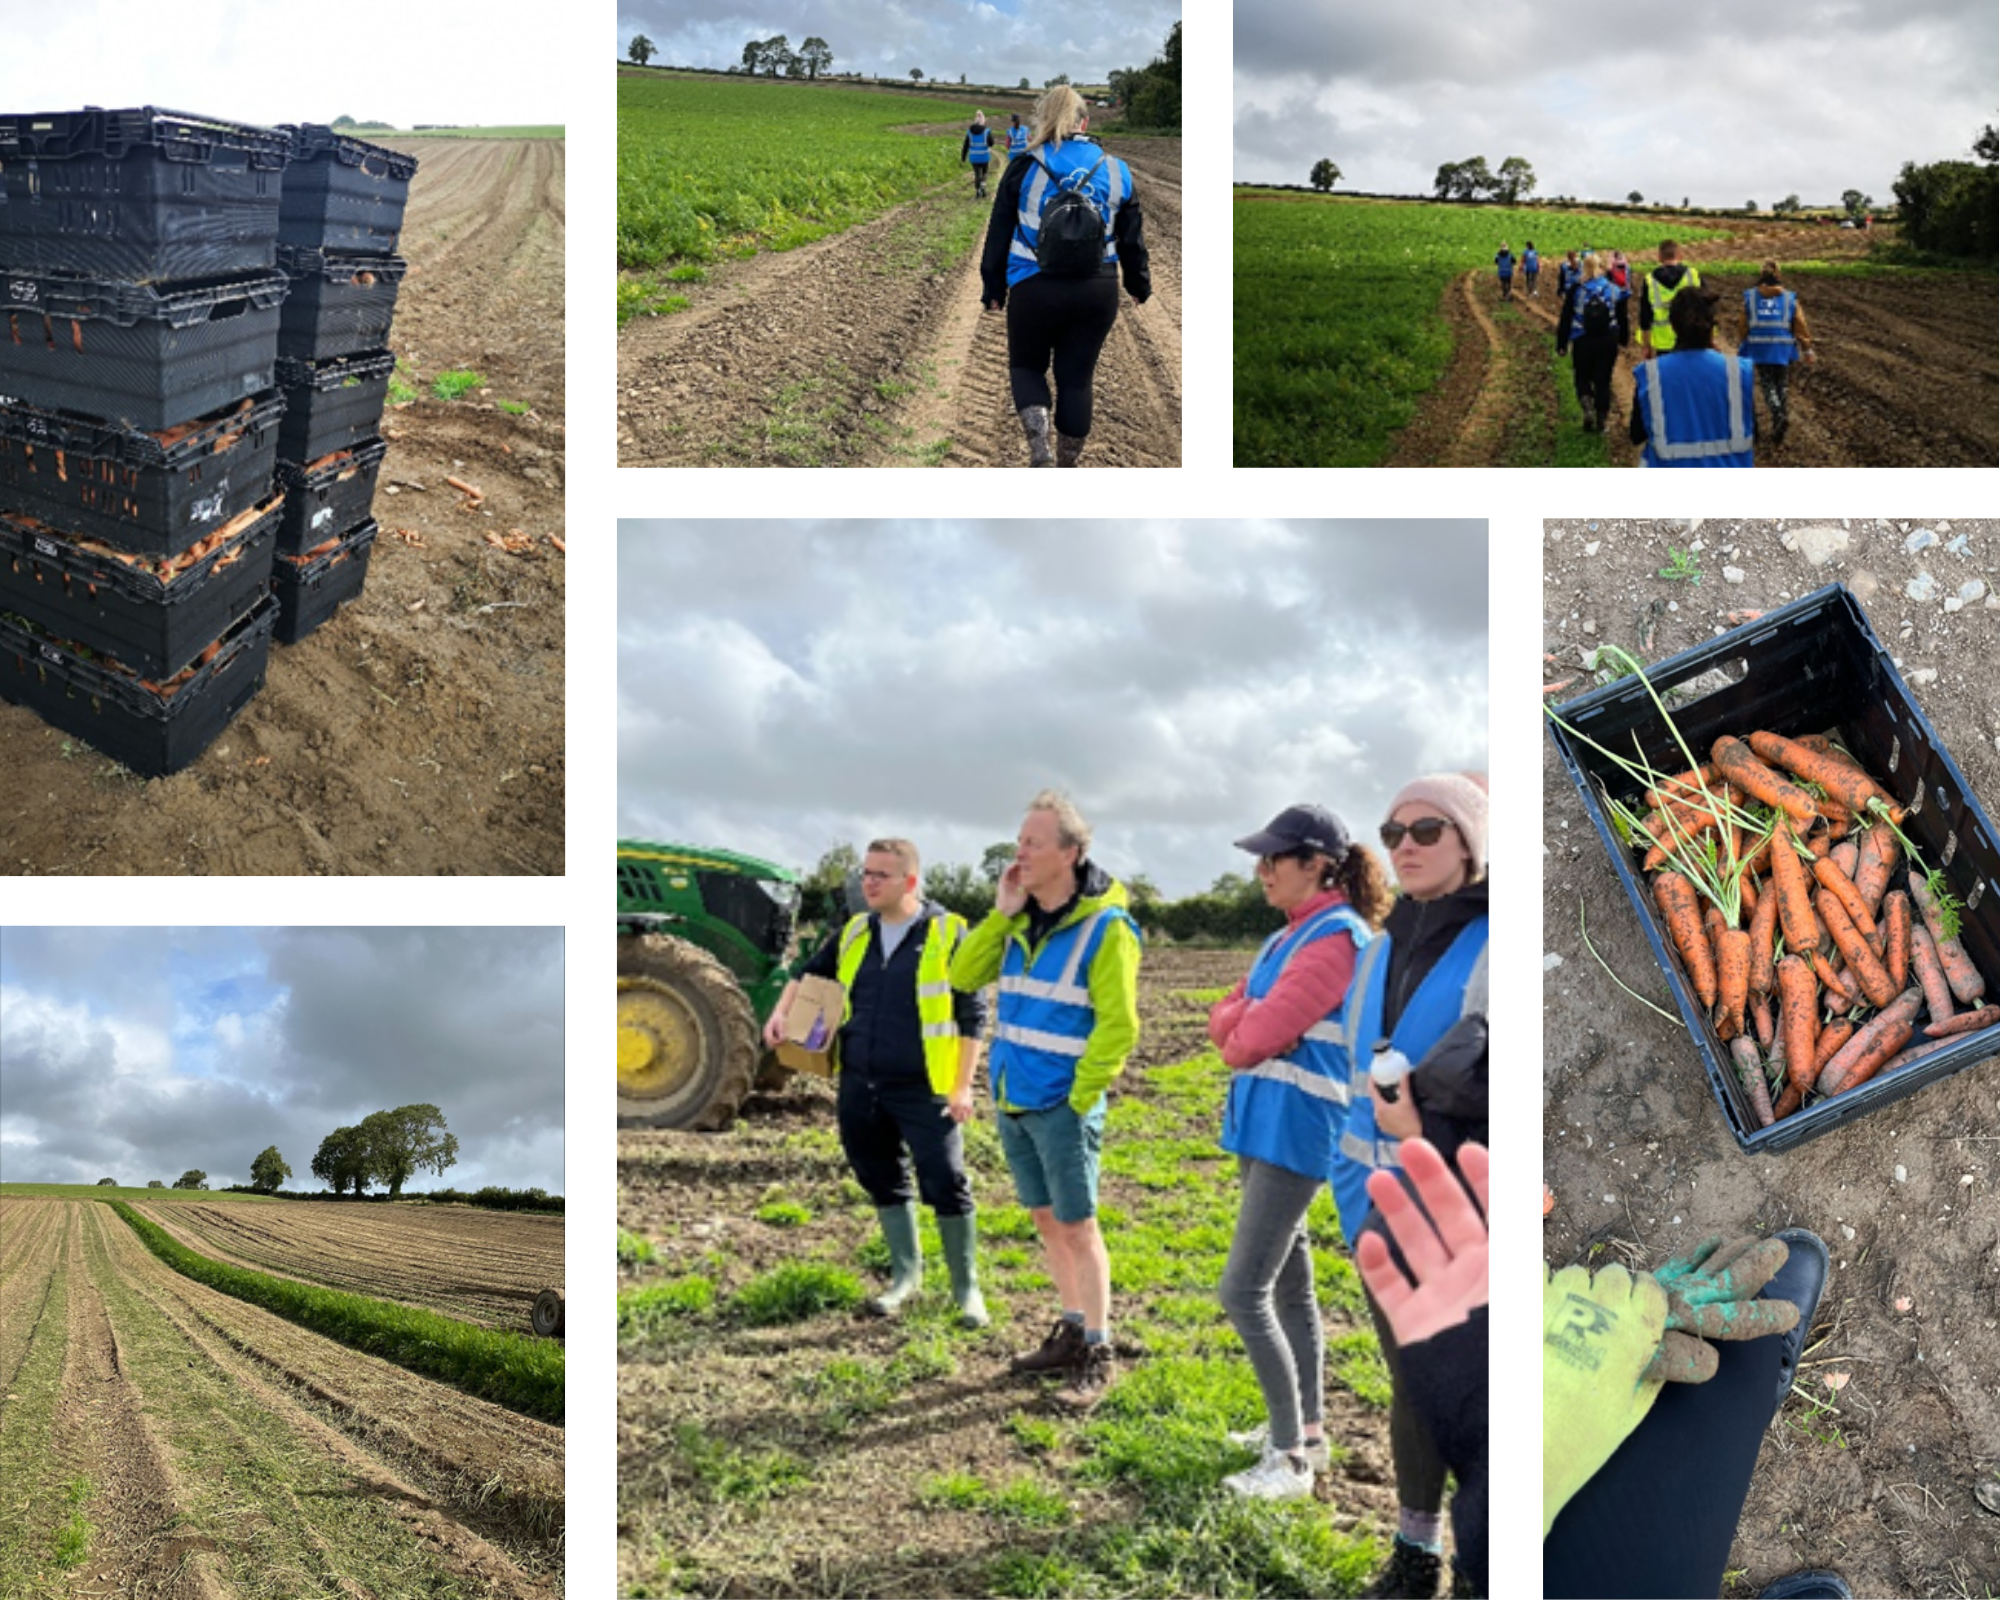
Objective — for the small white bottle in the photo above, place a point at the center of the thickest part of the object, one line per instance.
(1389, 1067)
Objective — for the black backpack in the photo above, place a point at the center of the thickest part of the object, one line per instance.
(1070, 241)
(1598, 316)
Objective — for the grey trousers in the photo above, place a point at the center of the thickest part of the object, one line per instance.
(1267, 1289)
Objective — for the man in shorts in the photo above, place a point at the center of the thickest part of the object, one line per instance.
(1066, 954)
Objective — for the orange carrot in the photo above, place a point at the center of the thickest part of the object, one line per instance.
(1688, 788)
(1879, 850)
(1798, 1014)
(1788, 873)
(1732, 969)
(1760, 1014)
(1747, 895)
(1841, 887)
(1892, 1039)
(1750, 1074)
(1930, 974)
(1868, 972)
(1839, 992)
(1916, 1052)
(1835, 1034)
(1738, 763)
(1846, 856)
(1896, 934)
(1959, 971)
(1676, 899)
(1788, 1102)
(1843, 781)
(1902, 1010)
(1763, 939)
(1965, 1022)
(1819, 844)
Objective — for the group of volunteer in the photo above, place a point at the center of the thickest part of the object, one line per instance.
(1360, 1025)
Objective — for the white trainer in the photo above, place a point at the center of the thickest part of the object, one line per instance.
(1273, 1478)
(1259, 1438)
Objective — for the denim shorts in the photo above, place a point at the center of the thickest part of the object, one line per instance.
(1053, 1157)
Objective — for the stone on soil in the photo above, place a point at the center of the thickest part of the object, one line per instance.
(1921, 588)
(1818, 545)
(1922, 539)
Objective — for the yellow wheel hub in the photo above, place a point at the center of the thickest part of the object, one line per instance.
(659, 1041)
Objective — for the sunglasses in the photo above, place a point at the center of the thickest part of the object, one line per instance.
(1266, 863)
(1425, 830)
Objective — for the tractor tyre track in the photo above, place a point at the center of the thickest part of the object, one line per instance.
(1623, 452)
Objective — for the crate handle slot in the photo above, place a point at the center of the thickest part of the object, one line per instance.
(1976, 893)
(1895, 750)
(1950, 848)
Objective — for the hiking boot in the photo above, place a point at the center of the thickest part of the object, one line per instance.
(1318, 1457)
(1089, 1380)
(1035, 423)
(1412, 1573)
(1060, 1351)
(906, 1260)
(1463, 1585)
(1068, 451)
(1800, 1280)
(1810, 1585)
(960, 1241)
(1277, 1477)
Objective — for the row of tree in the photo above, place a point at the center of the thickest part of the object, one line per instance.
(1150, 96)
(1471, 180)
(385, 1147)
(1950, 206)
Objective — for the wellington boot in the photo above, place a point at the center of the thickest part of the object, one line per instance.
(906, 1259)
(961, 1246)
(1069, 452)
(1035, 423)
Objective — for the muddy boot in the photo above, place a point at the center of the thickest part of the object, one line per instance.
(1090, 1379)
(1059, 1352)
(906, 1259)
(1412, 1571)
(1069, 452)
(961, 1246)
(1035, 423)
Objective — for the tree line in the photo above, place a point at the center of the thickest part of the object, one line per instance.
(1949, 207)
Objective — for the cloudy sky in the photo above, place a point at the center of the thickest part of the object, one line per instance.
(1714, 100)
(989, 41)
(813, 683)
(137, 1053)
(440, 61)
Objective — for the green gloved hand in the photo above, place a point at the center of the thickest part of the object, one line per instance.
(1599, 1340)
(1712, 1294)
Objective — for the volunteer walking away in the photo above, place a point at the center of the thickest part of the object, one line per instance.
(1593, 323)
(1503, 263)
(1066, 227)
(1774, 336)
(1694, 405)
(977, 148)
(1661, 286)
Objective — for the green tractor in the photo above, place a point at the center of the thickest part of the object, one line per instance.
(703, 937)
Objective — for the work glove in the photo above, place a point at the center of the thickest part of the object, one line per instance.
(1712, 1291)
(1599, 1339)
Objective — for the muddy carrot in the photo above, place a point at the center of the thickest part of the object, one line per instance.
(1964, 1022)
(1916, 1052)
(1843, 781)
(1732, 978)
(1879, 850)
(1688, 788)
(1788, 1102)
(1788, 876)
(1748, 896)
(1930, 975)
(1903, 1010)
(1819, 844)
(1668, 836)
(1868, 972)
(1896, 937)
(1841, 887)
(1959, 971)
(1760, 1016)
(1892, 1039)
(1835, 1034)
(1846, 856)
(1750, 1074)
(1676, 899)
(1739, 764)
(1798, 1015)
(1838, 991)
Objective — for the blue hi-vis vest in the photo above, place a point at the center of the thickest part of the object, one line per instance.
(1505, 262)
(1698, 409)
(1594, 289)
(1769, 341)
(1045, 1014)
(1110, 187)
(1290, 1110)
(1017, 141)
(977, 138)
(1454, 988)
(1532, 261)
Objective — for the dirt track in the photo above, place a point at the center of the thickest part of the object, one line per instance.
(782, 361)
(421, 731)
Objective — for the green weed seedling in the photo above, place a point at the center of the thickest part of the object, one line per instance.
(794, 1292)
(1683, 566)
(955, 1491)
(402, 391)
(514, 408)
(633, 1250)
(647, 1313)
(784, 1213)
(451, 385)
(72, 1539)
(739, 1476)
(1038, 1436)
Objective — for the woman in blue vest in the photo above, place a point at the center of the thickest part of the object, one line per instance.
(1774, 336)
(1282, 1032)
(1065, 227)
(1593, 321)
(1693, 406)
(1531, 266)
(1421, 987)
(977, 148)
(1504, 264)
(1017, 136)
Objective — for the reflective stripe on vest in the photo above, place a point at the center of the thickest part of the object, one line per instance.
(1768, 338)
(1017, 141)
(1044, 1023)
(1111, 187)
(938, 1022)
(1662, 444)
(977, 140)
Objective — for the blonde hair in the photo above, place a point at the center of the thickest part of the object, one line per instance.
(1071, 830)
(901, 849)
(1593, 265)
(1057, 116)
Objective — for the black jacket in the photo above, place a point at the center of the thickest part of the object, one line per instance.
(1450, 1088)
(1668, 276)
(1127, 230)
(884, 1039)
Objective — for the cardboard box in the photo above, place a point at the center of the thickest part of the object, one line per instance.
(810, 1026)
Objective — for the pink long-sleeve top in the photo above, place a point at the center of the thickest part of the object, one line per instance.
(1248, 1031)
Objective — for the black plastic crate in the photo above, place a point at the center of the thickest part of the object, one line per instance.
(311, 587)
(147, 355)
(152, 616)
(339, 305)
(151, 493)
(153, 728)
(141, 195)
(330, 494)
(342, 193)
(332, 405)
(1814, 667)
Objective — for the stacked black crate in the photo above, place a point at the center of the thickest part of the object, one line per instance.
(139, 423)
(338, 224)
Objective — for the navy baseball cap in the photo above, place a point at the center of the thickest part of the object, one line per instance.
(1300, 828)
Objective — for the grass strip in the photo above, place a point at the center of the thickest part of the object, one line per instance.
(513, 1370)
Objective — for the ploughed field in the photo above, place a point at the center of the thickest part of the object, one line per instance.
(163, 1439)
(478, 1266)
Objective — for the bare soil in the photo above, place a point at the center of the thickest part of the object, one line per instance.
(1882, 1486)
(868, 348)
(421, 730)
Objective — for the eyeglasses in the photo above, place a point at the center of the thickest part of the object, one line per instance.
(880, 877)
(1269, 863)
(1425, 830)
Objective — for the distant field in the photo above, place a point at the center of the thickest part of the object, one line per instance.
(554, 131)
(92, 1191)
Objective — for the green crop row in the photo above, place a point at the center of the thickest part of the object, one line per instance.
(712, 167)
(1338, 332)
(510, 1369)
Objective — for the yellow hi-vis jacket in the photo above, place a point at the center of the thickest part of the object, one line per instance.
(934, 1006)
(1661, 299)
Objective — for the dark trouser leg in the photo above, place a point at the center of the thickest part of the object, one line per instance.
(1771, 381)
(1093, 308)
(1030, 343)
(1420, 1470)
(937, 1147)
(873, 1141)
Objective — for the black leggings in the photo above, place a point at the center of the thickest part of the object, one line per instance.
(1067, 319)
(1594, 357)
(1659, 1518)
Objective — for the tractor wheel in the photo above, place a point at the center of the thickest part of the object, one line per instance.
(547, 1317)
(688, 1043)
(771, 1072)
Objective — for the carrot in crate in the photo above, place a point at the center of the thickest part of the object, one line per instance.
(1930, 974)
(1738, 763)
(1896, 934)
(1879, 853)
(1892, 1038)
(1763, 939)
(1788, 876)
(1750, 1074)
(1837, 1073)
(1964, 1022)
(1843, 779)
(1868, 972)
(1835, 1034)
(1959, 971)
(1798, 1013)
(1676, 899)
(1841, 887)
